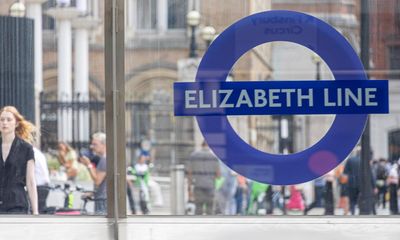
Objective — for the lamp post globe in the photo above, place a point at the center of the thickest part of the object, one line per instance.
(315, 58)
(193, 20)
(208, 34)
(17, 9)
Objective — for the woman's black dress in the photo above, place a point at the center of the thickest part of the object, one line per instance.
(13, 197)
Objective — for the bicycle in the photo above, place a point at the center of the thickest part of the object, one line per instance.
(69, 199)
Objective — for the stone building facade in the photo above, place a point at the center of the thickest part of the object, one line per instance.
(157, 37)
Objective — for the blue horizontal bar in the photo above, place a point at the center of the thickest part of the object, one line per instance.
(281, 97)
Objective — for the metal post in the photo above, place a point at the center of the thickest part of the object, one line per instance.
(193, 45)
(114, 33)
(366, 195)
(178, 189)
(281, 148)
(318, 74)
(177, 175)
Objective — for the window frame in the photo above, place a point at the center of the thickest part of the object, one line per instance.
(114, 57)
(162, 23)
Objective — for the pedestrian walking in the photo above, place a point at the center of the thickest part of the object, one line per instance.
(68, 160)
(202, 172)
(393, 181)
(329, 199)
(42, 179)
(17, 167)
(352, 170)
(381, 184)
(98, 173)
(343, 180)
(225, 201)
(319, 191)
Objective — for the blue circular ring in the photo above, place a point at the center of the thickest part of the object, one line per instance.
(309, 32)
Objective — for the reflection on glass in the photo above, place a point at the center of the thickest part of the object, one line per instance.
(65, 97)
(153, 64)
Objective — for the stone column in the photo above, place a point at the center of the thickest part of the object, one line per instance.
(82, 26)
(63, 16)
(162, 15)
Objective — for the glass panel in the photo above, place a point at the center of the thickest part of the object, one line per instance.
(53, 73)
(170, 173)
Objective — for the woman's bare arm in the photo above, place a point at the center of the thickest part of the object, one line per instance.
(31, 186)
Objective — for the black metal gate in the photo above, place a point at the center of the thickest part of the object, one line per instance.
(172, 138)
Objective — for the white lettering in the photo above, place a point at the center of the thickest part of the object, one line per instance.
(201, 100)
(301, 97)
(273, 97)
(214, 98)
(349, 94)
(339, 97)
(326, 99)
(189, 98)
(288, 97)
(369, 95)
(224, 103)
(244, 99)
(260, 100)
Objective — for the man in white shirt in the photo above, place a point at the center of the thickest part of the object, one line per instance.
(42, 178)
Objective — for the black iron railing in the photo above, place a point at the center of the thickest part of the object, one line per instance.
(144, 121)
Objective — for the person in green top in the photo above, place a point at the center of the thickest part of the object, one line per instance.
(256, 190)
(142, 172)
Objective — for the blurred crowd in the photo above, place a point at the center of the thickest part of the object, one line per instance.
(216, 189)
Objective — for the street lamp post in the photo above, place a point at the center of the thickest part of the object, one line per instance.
(317, 60)
(366, 189)
(193, 20)
(282, 132)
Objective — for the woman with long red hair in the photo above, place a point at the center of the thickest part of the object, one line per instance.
(17, 166)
